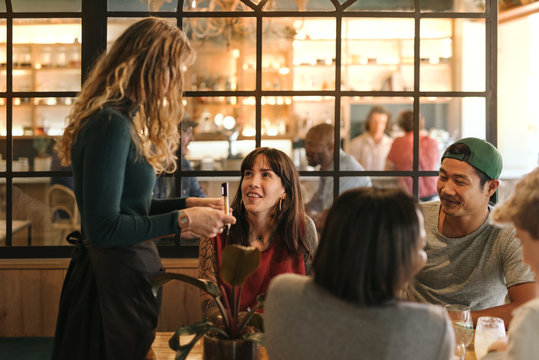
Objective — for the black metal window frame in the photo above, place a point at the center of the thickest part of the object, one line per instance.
(94, 17)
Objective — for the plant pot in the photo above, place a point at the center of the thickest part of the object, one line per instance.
(224, 349)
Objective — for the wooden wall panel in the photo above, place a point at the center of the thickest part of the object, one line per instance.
(32, 324)
(182, 303)
(51, 289)
(10, 299)
(30, 294)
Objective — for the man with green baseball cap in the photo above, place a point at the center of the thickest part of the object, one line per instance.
(484, 157)
(471, 261)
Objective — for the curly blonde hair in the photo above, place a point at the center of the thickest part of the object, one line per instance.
(522, 207)
(144, 66)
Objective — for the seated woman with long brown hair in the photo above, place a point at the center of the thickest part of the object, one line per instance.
(371, 247)
(270, 216)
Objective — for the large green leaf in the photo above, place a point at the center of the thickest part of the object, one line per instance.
(238, 263)
(203, 284)
(198, 329)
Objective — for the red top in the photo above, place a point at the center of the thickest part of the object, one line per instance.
(402, 156)
(274, 260)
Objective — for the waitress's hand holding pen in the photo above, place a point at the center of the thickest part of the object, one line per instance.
(204, 221)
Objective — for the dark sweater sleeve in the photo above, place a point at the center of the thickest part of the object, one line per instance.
(160, 206)
(110, 217)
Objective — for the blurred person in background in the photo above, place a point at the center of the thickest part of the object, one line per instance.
(371, 247)
(401, 155)
(165, 186)
(370, 148)
(319, 149)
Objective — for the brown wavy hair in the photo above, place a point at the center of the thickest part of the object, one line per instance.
(143, 67)
(290, 220)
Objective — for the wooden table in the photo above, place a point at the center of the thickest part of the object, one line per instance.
(164, 352)
(16, 226)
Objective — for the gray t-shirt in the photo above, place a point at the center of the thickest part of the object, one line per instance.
(304, 321)
(473, 270)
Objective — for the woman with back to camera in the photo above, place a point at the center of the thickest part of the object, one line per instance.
(371, 247)
(270, 216)
(122, 131)
(522, 210)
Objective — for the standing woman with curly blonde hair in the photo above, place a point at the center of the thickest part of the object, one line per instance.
(122, 131)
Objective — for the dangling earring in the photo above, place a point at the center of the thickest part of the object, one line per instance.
(280, 204)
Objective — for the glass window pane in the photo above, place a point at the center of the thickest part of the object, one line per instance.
(276, 122)
(2, 6)
(400, 156)
(3, 55)
(212, 5)
(116, 26)
(427, 188)
(301, 5)
(377, 5)
(312, 110)
(226, 130)
(46, 54)
(370, 127)
(450, 119)
(385, 181)
(443, 41)
(40, 116)
(233, 42)
(377, 54)
(277, 53)
(317, 193)
(3, 133)
(453, 6)
(404, 182)
(49, 6)
(314, 53)
(142, 5)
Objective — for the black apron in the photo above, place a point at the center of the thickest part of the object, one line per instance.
(107, 309)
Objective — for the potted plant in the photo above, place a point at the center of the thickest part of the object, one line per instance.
(234, 336)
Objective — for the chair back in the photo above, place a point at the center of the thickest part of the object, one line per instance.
(64, 213)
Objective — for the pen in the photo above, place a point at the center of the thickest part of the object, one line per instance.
(224, 193)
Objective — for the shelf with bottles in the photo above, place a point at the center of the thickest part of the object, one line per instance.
(37, 116)
(373, 64)
(44, 67)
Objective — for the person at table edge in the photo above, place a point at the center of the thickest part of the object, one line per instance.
(471, 261)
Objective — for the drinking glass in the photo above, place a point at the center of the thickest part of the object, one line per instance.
(461, 319)
(488, 330)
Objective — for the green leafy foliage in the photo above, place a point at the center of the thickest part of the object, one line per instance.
(238, 263)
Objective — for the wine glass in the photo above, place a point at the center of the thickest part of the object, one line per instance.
(461, 319)
(488, 330)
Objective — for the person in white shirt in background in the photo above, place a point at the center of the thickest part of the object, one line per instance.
(370, 148)
(522, 211)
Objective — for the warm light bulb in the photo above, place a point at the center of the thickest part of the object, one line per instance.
(229, 122)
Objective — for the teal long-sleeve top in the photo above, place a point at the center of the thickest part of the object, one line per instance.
(113, 185)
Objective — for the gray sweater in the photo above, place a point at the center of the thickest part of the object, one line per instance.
(304, 321)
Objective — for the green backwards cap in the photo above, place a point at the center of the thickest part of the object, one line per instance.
(484, 156)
